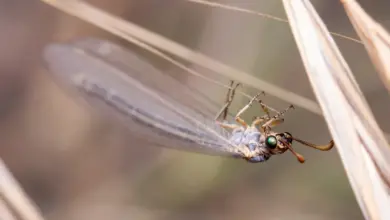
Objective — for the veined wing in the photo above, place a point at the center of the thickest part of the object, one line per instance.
(153, 106)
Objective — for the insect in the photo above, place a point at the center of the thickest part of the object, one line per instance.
(260, 141)
(121, 85)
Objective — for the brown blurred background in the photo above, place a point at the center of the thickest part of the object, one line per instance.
(76, 164)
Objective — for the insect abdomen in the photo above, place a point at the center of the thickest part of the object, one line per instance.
(258, 159)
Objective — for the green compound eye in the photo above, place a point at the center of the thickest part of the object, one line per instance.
(271, 141)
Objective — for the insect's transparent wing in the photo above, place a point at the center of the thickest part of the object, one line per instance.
(160, 81)
(154, 106)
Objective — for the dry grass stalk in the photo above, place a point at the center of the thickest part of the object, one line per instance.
(375, 38)
(361, 144)
(15, 200)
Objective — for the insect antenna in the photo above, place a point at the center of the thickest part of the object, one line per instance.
(299, 157)
(318, 147)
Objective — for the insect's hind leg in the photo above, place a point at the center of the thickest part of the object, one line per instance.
(228, 101)
(224, 110)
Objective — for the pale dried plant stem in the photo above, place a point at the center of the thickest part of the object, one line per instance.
(375, 38)
(14, 198)
(362, 147)
(5, 211)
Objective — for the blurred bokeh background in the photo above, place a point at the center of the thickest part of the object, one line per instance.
(76, 164)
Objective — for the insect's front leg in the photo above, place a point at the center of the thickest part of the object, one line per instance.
(265, 108)
(275, 120)
(281, 113)
(258, 120)
(266, 127)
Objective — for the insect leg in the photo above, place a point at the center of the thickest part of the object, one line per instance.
(265, 108)
(227, 125)
(281, 113)
(272, 123)
(275, 120)
(258, 120)
(240, 120)
(229, 99)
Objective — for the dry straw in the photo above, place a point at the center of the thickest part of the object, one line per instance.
(15, 203)
(374, 36)
(361, 144)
